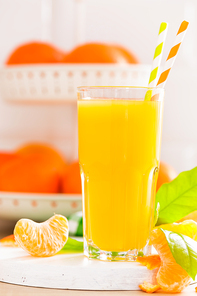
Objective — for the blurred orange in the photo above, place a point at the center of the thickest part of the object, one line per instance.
(35, 52)
(46, 151)
(32, 173)
(166, 174)
(37, 168)
(71, 181)
(100, 53)
(6, 157)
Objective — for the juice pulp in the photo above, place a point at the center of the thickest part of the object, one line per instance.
(119, 151)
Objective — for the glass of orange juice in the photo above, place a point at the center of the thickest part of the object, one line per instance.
(119, 136)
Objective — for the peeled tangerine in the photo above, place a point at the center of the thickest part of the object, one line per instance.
(187, 227)
(171, 277)
(42, 239)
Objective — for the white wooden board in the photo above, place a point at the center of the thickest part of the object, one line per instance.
(70, 271)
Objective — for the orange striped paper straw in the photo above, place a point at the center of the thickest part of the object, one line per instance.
(173, 54)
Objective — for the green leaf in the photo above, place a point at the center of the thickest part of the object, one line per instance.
(177, 198)
(73, 245)
(156, 215)
(184, 251)
(75, 222)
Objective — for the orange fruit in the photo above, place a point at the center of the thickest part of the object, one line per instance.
(37, 168)
(42, 239)
(100, 53)
(44, 151)
(6, 157)
(33, 174)
(71, 181)
(35, 53)
(171, 277)
(166, 174)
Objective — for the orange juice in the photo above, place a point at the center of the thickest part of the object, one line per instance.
(119, 150)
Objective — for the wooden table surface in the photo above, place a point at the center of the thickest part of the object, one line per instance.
(6, 228)
(16, 290)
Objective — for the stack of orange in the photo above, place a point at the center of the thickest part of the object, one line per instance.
(38, 168)
(40, 52)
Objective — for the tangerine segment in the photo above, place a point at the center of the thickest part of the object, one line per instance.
(42, 239)
(171, 277)
(9, 241)
(196, 289)
(151, 261)
(149, 288)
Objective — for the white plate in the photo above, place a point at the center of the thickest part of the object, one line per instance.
(58, 83)
(39, 207)
(71, 271)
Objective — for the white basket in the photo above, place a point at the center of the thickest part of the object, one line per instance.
(37, 206)
(59, 82)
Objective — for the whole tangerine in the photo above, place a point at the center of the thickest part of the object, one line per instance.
(35, 53)
(37, 168)
(6, 157)
(32, 174)
(46, 151)
(100, 53)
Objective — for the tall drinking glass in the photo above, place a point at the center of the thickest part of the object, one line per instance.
(119, 150)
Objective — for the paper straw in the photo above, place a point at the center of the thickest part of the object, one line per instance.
(158, 54)
(173, 54)
(157, 58)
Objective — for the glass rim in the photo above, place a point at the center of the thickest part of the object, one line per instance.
(86, 88)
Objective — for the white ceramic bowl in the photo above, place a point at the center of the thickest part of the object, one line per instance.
(59, 82)
(39, 207)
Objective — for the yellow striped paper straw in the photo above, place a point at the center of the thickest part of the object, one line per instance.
(157, 58)
(173, 54)
(158, 54)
